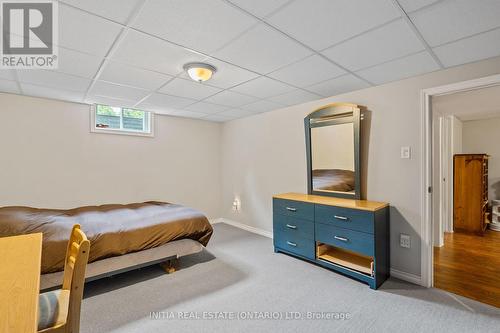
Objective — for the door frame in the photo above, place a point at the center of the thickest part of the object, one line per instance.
(426, 232)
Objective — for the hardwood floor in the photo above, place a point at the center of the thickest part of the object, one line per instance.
(469, 265)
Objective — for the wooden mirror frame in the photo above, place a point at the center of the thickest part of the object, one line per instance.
(329, 115)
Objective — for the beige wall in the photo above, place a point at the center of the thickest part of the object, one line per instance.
(333, 147)
(49, 158)
(265, 154)
(483, 136)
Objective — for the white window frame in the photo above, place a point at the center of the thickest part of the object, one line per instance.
(120, 131)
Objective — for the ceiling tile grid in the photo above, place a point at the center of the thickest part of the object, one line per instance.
(188, 89)
(263, 87)
(449, 20)
(323, 23)
(402, 68)
(388, 42)
(107, 89)
(202, 25)
(269, 54)
(262, 49)
(119, 73)
(308, 71)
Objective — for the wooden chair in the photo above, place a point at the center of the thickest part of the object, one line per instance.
(59, 310)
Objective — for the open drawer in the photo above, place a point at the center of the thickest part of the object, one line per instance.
(344, 258)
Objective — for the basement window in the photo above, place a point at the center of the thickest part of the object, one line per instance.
(118, 120)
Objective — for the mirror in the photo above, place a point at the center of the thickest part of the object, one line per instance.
(332, 137)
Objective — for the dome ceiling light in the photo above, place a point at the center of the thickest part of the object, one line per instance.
(199, 71)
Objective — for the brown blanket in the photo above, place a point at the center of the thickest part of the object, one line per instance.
(112, 229)
(333, 180)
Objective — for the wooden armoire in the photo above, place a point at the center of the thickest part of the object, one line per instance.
(470, 193)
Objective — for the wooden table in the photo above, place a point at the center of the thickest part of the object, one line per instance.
(19, 282)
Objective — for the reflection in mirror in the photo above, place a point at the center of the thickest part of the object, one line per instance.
(332, 153)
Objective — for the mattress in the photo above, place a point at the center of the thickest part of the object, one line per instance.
(112, 230)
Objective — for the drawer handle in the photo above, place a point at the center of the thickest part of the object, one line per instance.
(343, 239)
(291, 226)
(291, 244)
(291, 209)
(343, 218)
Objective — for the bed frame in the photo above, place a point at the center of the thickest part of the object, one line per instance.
(165, 255)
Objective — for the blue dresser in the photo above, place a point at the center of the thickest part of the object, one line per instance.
(345, 235)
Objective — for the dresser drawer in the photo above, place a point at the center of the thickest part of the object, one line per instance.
(293, 226)
(353, 219)
(292, 208)
(295, 244)
(356, 241)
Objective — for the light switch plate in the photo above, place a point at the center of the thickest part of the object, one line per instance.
(406, 152)
(404, 241)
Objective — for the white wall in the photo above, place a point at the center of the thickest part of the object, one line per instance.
(333, 147)
(264, 155)
(49, 158)
(483, 136)
(456, 135)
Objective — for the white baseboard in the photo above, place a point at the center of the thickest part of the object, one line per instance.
(412, 278)
(415, 279)
(258, 231)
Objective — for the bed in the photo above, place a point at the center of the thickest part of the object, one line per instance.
(333, 180)
(122, 237)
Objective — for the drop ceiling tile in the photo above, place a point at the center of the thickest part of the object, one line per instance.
(399, 69)
(157, 109)
(338, 86)
(7, 86)
(308, 71)
(47, 92)
(189, 114)
(167, 101)
(123, 74)
(230, 98)
(262, 106)
(188, 89)
(217, 118)
(391, 41)
(201, 25)
(116, 10)
(262, 49)
(107, 89)
(260, 8)
(85, 32)
(295, 97)
(227, 75)
(52, 79)
(447, 21)
(117, 102)
(412, 5)
(77, 63)
(263, 87)
(482, 46)
(323, 23)
(207, 108)
(154, 54)
(236, 113)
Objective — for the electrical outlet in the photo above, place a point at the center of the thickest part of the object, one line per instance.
(404, 241)
(406, 152)
(236, 205)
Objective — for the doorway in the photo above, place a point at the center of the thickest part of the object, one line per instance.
(461, 119)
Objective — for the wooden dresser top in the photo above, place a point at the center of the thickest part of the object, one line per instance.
(331, 201)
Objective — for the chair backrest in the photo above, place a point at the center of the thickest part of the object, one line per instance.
(77, 256)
